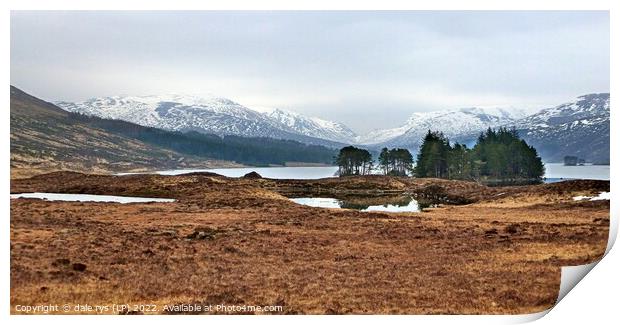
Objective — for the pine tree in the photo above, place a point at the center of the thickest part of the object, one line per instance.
(384, 160)
(500, 156)
(432, 160)
(354, 161)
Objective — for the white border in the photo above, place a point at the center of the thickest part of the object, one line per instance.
(595, 299)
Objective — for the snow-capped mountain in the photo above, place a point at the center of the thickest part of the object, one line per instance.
(212, 115)
(453, 123)
(579, 128)
(312, 126)
(586, 110)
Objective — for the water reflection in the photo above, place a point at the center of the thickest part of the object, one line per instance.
(385, 204)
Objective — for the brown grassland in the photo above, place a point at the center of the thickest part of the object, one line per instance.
(240, 241)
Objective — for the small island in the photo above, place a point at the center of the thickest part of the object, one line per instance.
(499, 157)
(573, 161)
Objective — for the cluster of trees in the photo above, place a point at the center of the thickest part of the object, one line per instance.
(354, 161)
(251, 151)
(397, 162)
(497, 155)
(432, 160)
(573, 161)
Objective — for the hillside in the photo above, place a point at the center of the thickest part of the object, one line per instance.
(578, 128)
(210, 115)
(453, 123)
(312, 126)
(45, 138)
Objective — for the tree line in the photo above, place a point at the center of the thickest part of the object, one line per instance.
(500, 156)
(246, 150)
(354, 161)
(357, 161)
(397, 162)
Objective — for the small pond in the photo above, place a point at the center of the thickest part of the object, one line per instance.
(601, 196)
(87, 198)
(399, 204)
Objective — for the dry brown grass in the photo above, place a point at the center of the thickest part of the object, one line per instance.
(492, 257)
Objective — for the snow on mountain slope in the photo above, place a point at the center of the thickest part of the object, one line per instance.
(586, 109)
(578, 128)
(312, 126)
(213, 115)
(453, 123)
(382, 135)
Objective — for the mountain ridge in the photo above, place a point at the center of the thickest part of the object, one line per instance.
(578, 128)
(47, 138)
(223, 116)
(452, 123)
(215, 115)
(312, 126)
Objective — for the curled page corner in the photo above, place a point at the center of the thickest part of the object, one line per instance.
(571, 275)
(527, 318)
(613, 230)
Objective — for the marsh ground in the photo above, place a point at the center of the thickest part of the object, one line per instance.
(241, 242)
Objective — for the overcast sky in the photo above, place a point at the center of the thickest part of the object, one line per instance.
(366, 69)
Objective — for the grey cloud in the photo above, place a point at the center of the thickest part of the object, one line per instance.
(354, 67)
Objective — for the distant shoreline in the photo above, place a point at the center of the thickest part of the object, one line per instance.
(304, 164)
(586, 164)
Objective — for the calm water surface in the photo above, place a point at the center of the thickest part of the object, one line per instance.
(554, 172)
(558, 172)
(267, 172)
(410, 206)
(87, 198)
